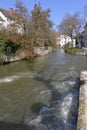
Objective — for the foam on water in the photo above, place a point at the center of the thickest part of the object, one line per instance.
(34, 122)
(63, 86)
(18, 76)
(65, 107)
(9, 79)
(45, 92)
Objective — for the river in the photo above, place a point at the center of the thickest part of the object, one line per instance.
(42, 94)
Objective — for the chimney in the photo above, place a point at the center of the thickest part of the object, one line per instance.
(11, 11)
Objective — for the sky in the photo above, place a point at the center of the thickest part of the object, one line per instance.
(59, 8)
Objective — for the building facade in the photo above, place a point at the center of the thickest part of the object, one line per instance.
(6, 17)
(63, 39)
(83, 37)
(9, 20)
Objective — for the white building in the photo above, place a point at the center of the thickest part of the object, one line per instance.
(63, 39)
(6, 16)
(9, 17)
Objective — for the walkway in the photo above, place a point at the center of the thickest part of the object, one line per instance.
(82, 112)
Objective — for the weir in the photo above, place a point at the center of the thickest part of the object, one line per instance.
(42, 94)
(82, 111)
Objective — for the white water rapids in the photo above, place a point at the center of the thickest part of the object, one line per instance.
(42, 95)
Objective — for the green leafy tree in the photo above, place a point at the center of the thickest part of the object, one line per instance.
(7, 46)
(2, 40)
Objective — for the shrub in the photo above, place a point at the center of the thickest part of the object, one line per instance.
(8, 47)
(66, 47)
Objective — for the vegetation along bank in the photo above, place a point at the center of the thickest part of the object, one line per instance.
(27, 34)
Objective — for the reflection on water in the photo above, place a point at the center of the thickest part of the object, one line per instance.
(41, 95)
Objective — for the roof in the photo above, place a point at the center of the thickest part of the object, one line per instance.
(62, 34)
(7, 14)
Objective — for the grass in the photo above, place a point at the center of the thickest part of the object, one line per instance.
(72, 50)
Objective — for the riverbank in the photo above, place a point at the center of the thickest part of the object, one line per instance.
(82, 111)
(74, 51)
(25, 54)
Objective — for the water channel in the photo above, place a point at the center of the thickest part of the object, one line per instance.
(42, 94)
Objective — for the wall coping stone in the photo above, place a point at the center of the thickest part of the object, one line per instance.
(82, 109)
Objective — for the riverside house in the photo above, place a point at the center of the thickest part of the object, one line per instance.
(63, 39)
(9, 17)
(6, 17)
(83, 40)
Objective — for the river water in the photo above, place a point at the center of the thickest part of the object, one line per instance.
(42, 94)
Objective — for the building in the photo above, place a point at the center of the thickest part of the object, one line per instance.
(6, 17)
(63, 39)
(83, 40)
(83, 37)
(9, 17)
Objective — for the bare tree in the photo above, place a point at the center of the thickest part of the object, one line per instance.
(22, 16)
(71, 25)
(41, 24)
(23, 23)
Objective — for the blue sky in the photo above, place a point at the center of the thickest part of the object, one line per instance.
(58, 7)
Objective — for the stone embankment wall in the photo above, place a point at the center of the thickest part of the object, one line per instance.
(41, 51)
(22, 54)
(12, 57)
(82, 110)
